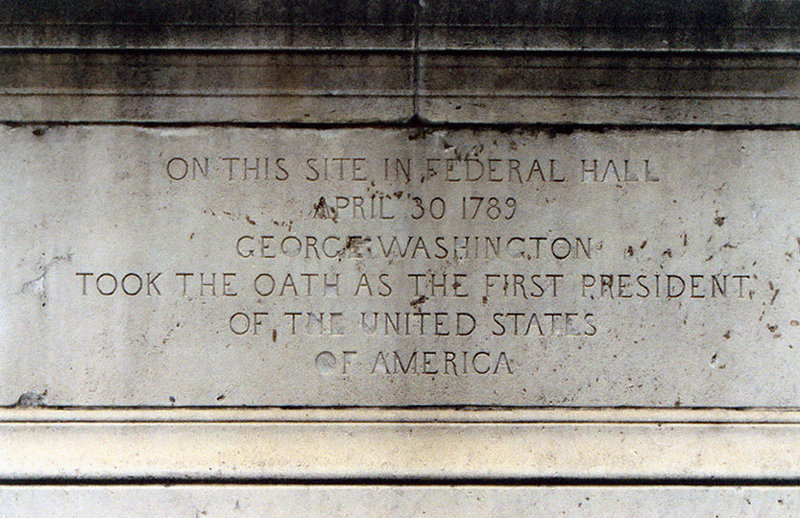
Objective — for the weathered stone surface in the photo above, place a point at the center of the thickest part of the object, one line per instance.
(340, 87)
(357, 61)
(209, 25)
(161, 168)
(192, 86)
(153, 267)
(738, 25)
(436, 501)
(610, 24)
(610, 88)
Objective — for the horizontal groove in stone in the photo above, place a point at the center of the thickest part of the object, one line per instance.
(757, 416)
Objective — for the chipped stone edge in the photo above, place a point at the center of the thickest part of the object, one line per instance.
(449, 445)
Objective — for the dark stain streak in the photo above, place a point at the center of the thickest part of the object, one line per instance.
(418, 301)
(775, 292)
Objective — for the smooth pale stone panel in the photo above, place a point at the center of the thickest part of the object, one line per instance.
(433, 501)
(379, 446)
(620, 268)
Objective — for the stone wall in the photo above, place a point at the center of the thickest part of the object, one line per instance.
(470, 256)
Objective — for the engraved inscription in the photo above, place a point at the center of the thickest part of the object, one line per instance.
(390, 267)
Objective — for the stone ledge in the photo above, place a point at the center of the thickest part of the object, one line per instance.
(311, 61)
(611, 88)
(201, 87)
(626, 88)
(81, 448)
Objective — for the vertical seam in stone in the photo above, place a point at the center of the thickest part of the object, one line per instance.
(415, 62)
